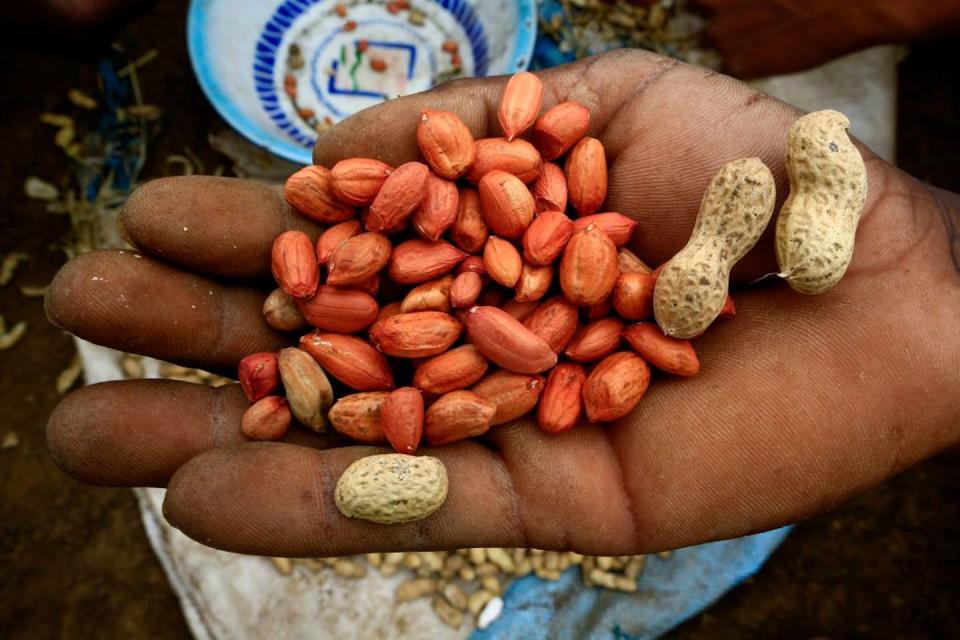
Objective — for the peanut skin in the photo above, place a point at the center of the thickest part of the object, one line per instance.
(828, 188)
(692, 287)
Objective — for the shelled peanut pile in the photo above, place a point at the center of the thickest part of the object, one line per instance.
(540, 301)
(446, 310)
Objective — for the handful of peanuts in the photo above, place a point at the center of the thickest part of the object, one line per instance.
(553, 314)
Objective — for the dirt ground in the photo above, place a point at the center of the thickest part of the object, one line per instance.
(74, 561)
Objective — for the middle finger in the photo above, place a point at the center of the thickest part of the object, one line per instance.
(124, 300)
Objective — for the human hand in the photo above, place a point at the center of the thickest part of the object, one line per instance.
(801, 403)
(764, 37)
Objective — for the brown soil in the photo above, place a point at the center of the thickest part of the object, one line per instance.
(74, 561)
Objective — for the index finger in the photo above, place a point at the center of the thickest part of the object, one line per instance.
(388, 131)
(221, 227)
(666, 127)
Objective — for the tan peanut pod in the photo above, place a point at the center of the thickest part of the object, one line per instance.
(469, 231)
(502, 261)
(550, 189)
(534, 282)
(556, 321)
(586, 171)
(506, 204)
(414, 588)
(310, 192)
(478, 600)
(557, 130)
(455, 595)
(339, 310)
(817, 224)
(416, 261)
(439, 208)
(520, 103)
(450, 615)
(358, 415)
(307, 388)
(356, 181)
(348, 569)
(517, 157)
(692, 286)
(401, 193)
(330, 239)
(456, 369)
(589, 269)
(392, 488)
(615, 387)
(281, 312)
(429, 296)
(416, 335)
(456, 416)
(513, 394)
(446, 143)
(358, 259)
(491, 583)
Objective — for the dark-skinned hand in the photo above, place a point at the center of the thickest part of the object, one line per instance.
(802, 402)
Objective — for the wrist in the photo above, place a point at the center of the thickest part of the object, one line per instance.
(937, 302)
(948, 206)
(907, 264)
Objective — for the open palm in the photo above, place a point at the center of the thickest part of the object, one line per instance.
(802, 401)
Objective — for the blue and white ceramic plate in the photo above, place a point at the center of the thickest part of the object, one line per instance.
(280, 71)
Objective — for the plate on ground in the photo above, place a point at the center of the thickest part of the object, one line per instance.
(281, 72)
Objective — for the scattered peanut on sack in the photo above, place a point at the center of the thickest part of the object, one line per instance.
(471, 582)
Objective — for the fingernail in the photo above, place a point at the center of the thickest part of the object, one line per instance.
(123, 233)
